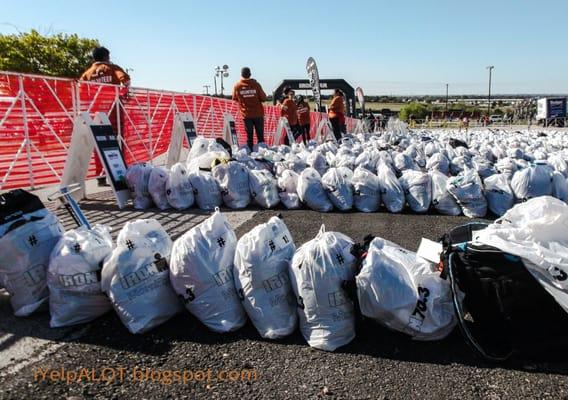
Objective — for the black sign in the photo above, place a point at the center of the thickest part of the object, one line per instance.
(190, 131)
(233, 133)
(111, 155)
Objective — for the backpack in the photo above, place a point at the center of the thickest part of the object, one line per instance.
(512, 313)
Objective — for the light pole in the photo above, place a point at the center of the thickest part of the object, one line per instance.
(206, 87)
(490, 68)
(447, 100)
(221, 72)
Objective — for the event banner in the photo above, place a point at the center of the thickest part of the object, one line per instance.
(313, 76)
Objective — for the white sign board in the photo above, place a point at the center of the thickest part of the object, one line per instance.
(230, 130)
(184, 126)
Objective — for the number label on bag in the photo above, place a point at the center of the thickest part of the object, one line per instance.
(419, 314)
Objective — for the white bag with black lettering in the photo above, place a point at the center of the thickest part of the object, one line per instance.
(288, 189)
(263, 188)
(233, 181)
(392, 193)
(74, 276)
(205, 189)
(417, 188)
(202, 274)
(338, 187)
(467, 189)
(28, 234)
(366, 190)
(136, 276)
(262, 261)
(499, 194)
(404, 292)
(179, 191)
(311, 191)
(442, 200)
(137, 178)
(157, 187)
(318, 272)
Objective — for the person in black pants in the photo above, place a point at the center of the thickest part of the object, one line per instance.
(250, 96)
(304, 119)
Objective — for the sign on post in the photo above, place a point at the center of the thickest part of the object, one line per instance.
(230, 130)
(98, 134)
(184, 126)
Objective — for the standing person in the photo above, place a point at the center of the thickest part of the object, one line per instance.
(304, 118)
(103, 71)
(249, 94)
(289, 110)
(336, 112)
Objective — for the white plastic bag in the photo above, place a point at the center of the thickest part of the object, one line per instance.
(288, 189)
(366, 190)
(205, 189)
(559, 186)
(536, 231)
(405, 293)
(233, 181)
(262, 261)
(201, 273)
(441, 198)
(74, 276)
(417, 190)
(263, 188)
(311, 191)
(317, 161)
(534, 181)
(178, 188)
(137, 177)
(392, 193)
(338, 188)
(157, 187)
(468, 192)
(28, 234)
(136, 276)
(499, 194)
(318, 272)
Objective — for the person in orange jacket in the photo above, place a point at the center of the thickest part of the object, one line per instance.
(336, 112)
(304, 118)
(103, 71)
(289, 110)
(249, 94)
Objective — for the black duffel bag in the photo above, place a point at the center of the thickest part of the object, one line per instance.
(505, 310)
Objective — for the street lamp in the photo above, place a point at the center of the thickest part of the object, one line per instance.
(490, 68)
(220, 72)
(447, 100)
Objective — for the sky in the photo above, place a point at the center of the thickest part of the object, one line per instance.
(396, 47)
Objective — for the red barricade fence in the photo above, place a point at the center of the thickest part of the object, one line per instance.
(37, 114)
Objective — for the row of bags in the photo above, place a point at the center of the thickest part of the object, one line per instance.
(148, 279)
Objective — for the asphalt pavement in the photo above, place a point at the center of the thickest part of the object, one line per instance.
(378, 364)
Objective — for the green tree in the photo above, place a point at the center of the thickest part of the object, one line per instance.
(57, 55)
(417, 110)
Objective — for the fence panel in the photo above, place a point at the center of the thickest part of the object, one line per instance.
(37, 113)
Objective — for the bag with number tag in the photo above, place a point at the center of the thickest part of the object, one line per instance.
(366, 190)
(205, 189)
(263, 188)
(136, 277)
(233, 181)
(320, 271)
(202, 274)
(74, 276)
(178, 188)
(404, 292)
(288, 189)
(28, 234)
(137, 177)
(157, 187)
(262, 261)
